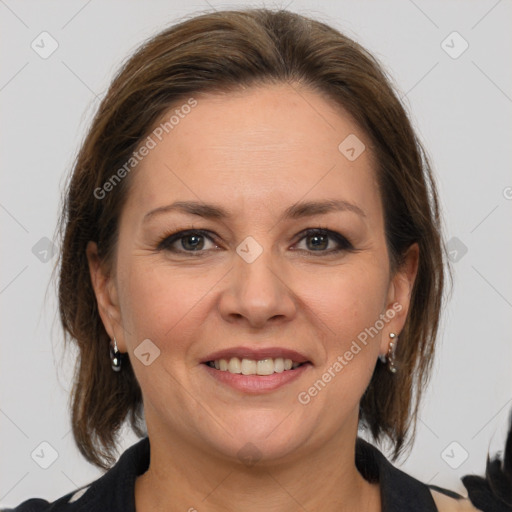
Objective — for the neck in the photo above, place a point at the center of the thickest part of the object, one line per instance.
(182, 477)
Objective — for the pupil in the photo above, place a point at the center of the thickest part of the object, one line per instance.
(316, 238)
(193, 246)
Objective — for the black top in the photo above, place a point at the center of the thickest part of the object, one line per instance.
(115, 490)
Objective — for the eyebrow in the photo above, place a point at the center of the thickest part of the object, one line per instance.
(296, 211)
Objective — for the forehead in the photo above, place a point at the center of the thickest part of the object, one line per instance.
(255, 149)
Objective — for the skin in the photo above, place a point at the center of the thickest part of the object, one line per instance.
(255, 153)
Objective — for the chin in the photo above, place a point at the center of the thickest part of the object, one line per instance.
(260, 442)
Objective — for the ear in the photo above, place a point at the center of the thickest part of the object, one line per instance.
(105, 290)
(399, 295)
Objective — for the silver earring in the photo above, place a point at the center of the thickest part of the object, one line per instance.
(390, 358)
(115, 356)
(391, 353)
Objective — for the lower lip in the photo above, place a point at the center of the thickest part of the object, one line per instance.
(257, 384)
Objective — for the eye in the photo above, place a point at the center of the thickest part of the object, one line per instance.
(189, 241)
(193, 242)
(320, 239)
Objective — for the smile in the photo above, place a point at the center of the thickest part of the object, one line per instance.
(245, 366)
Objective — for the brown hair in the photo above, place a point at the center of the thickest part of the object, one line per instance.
(216, 52)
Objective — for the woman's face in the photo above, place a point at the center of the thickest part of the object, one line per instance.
(253, 284)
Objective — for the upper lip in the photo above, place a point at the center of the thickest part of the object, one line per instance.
(257, 354)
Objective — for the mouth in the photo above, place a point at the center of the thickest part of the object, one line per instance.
(256, 370)
(246, 366)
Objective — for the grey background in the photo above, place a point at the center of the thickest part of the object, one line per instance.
(461, 108)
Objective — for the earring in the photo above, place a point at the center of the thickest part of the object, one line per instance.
(391, 354)
(115, 356)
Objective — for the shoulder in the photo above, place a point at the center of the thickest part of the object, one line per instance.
(63, 504)
(33, 505)
(113, 491)
(445, 503)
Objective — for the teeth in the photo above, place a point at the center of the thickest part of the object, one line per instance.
(249, 367)
(279, 365)
(234, 365)
(265, 367)
(252, 367)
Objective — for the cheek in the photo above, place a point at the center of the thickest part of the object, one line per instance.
(348, 299)
(349, 305)
(161, 303)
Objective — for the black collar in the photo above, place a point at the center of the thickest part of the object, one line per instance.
(115, 490)
(398, 490)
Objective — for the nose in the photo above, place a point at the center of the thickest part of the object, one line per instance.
(257, 293)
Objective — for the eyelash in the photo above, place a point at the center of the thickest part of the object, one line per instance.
(170, 238)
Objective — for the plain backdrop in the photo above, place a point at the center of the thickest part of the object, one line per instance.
(458, 91)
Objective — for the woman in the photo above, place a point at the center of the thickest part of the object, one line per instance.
(251, 265)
